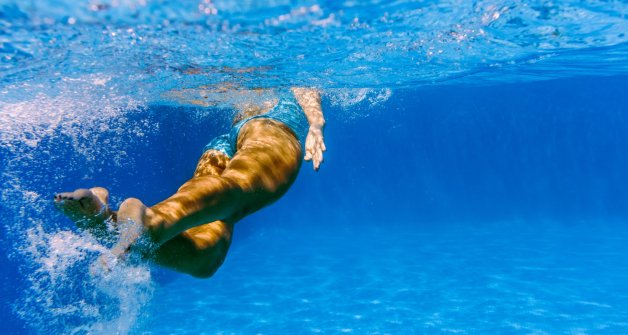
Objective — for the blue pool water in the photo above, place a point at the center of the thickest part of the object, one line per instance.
(476, 179)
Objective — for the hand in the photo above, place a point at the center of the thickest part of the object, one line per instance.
(315, 146)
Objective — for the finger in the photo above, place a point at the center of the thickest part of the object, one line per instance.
(320, 147)
(318, 158)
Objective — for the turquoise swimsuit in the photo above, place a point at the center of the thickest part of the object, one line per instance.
(287, 111)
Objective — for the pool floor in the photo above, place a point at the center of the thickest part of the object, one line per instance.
(509, 277)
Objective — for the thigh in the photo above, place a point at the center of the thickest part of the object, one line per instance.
(266, 162)
(199, 251)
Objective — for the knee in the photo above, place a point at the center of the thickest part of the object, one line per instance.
(132, 209)
(203, 273)
(130, 203)
(207, 269)
(210, 258)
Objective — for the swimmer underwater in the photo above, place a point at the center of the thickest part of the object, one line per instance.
(238, 173)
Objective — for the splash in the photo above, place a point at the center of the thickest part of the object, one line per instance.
(64, 299)
(81, 108)
(356, 103)
(346, 98)
(68, 127)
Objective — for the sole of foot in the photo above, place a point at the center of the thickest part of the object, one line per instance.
(88, 208)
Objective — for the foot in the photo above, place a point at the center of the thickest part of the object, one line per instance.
(88, 208)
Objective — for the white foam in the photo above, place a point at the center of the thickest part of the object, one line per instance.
(358, 102)
(86, 118)
(78, 107)
(63, 296)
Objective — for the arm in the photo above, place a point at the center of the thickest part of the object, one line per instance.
(310, 101)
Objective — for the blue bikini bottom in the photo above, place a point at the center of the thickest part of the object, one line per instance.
(286, 111)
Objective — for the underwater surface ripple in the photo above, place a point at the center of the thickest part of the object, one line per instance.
(325, 44)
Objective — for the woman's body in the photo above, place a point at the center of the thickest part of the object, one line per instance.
(192, 229)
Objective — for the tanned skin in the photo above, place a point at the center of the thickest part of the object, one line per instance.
(191, 230)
